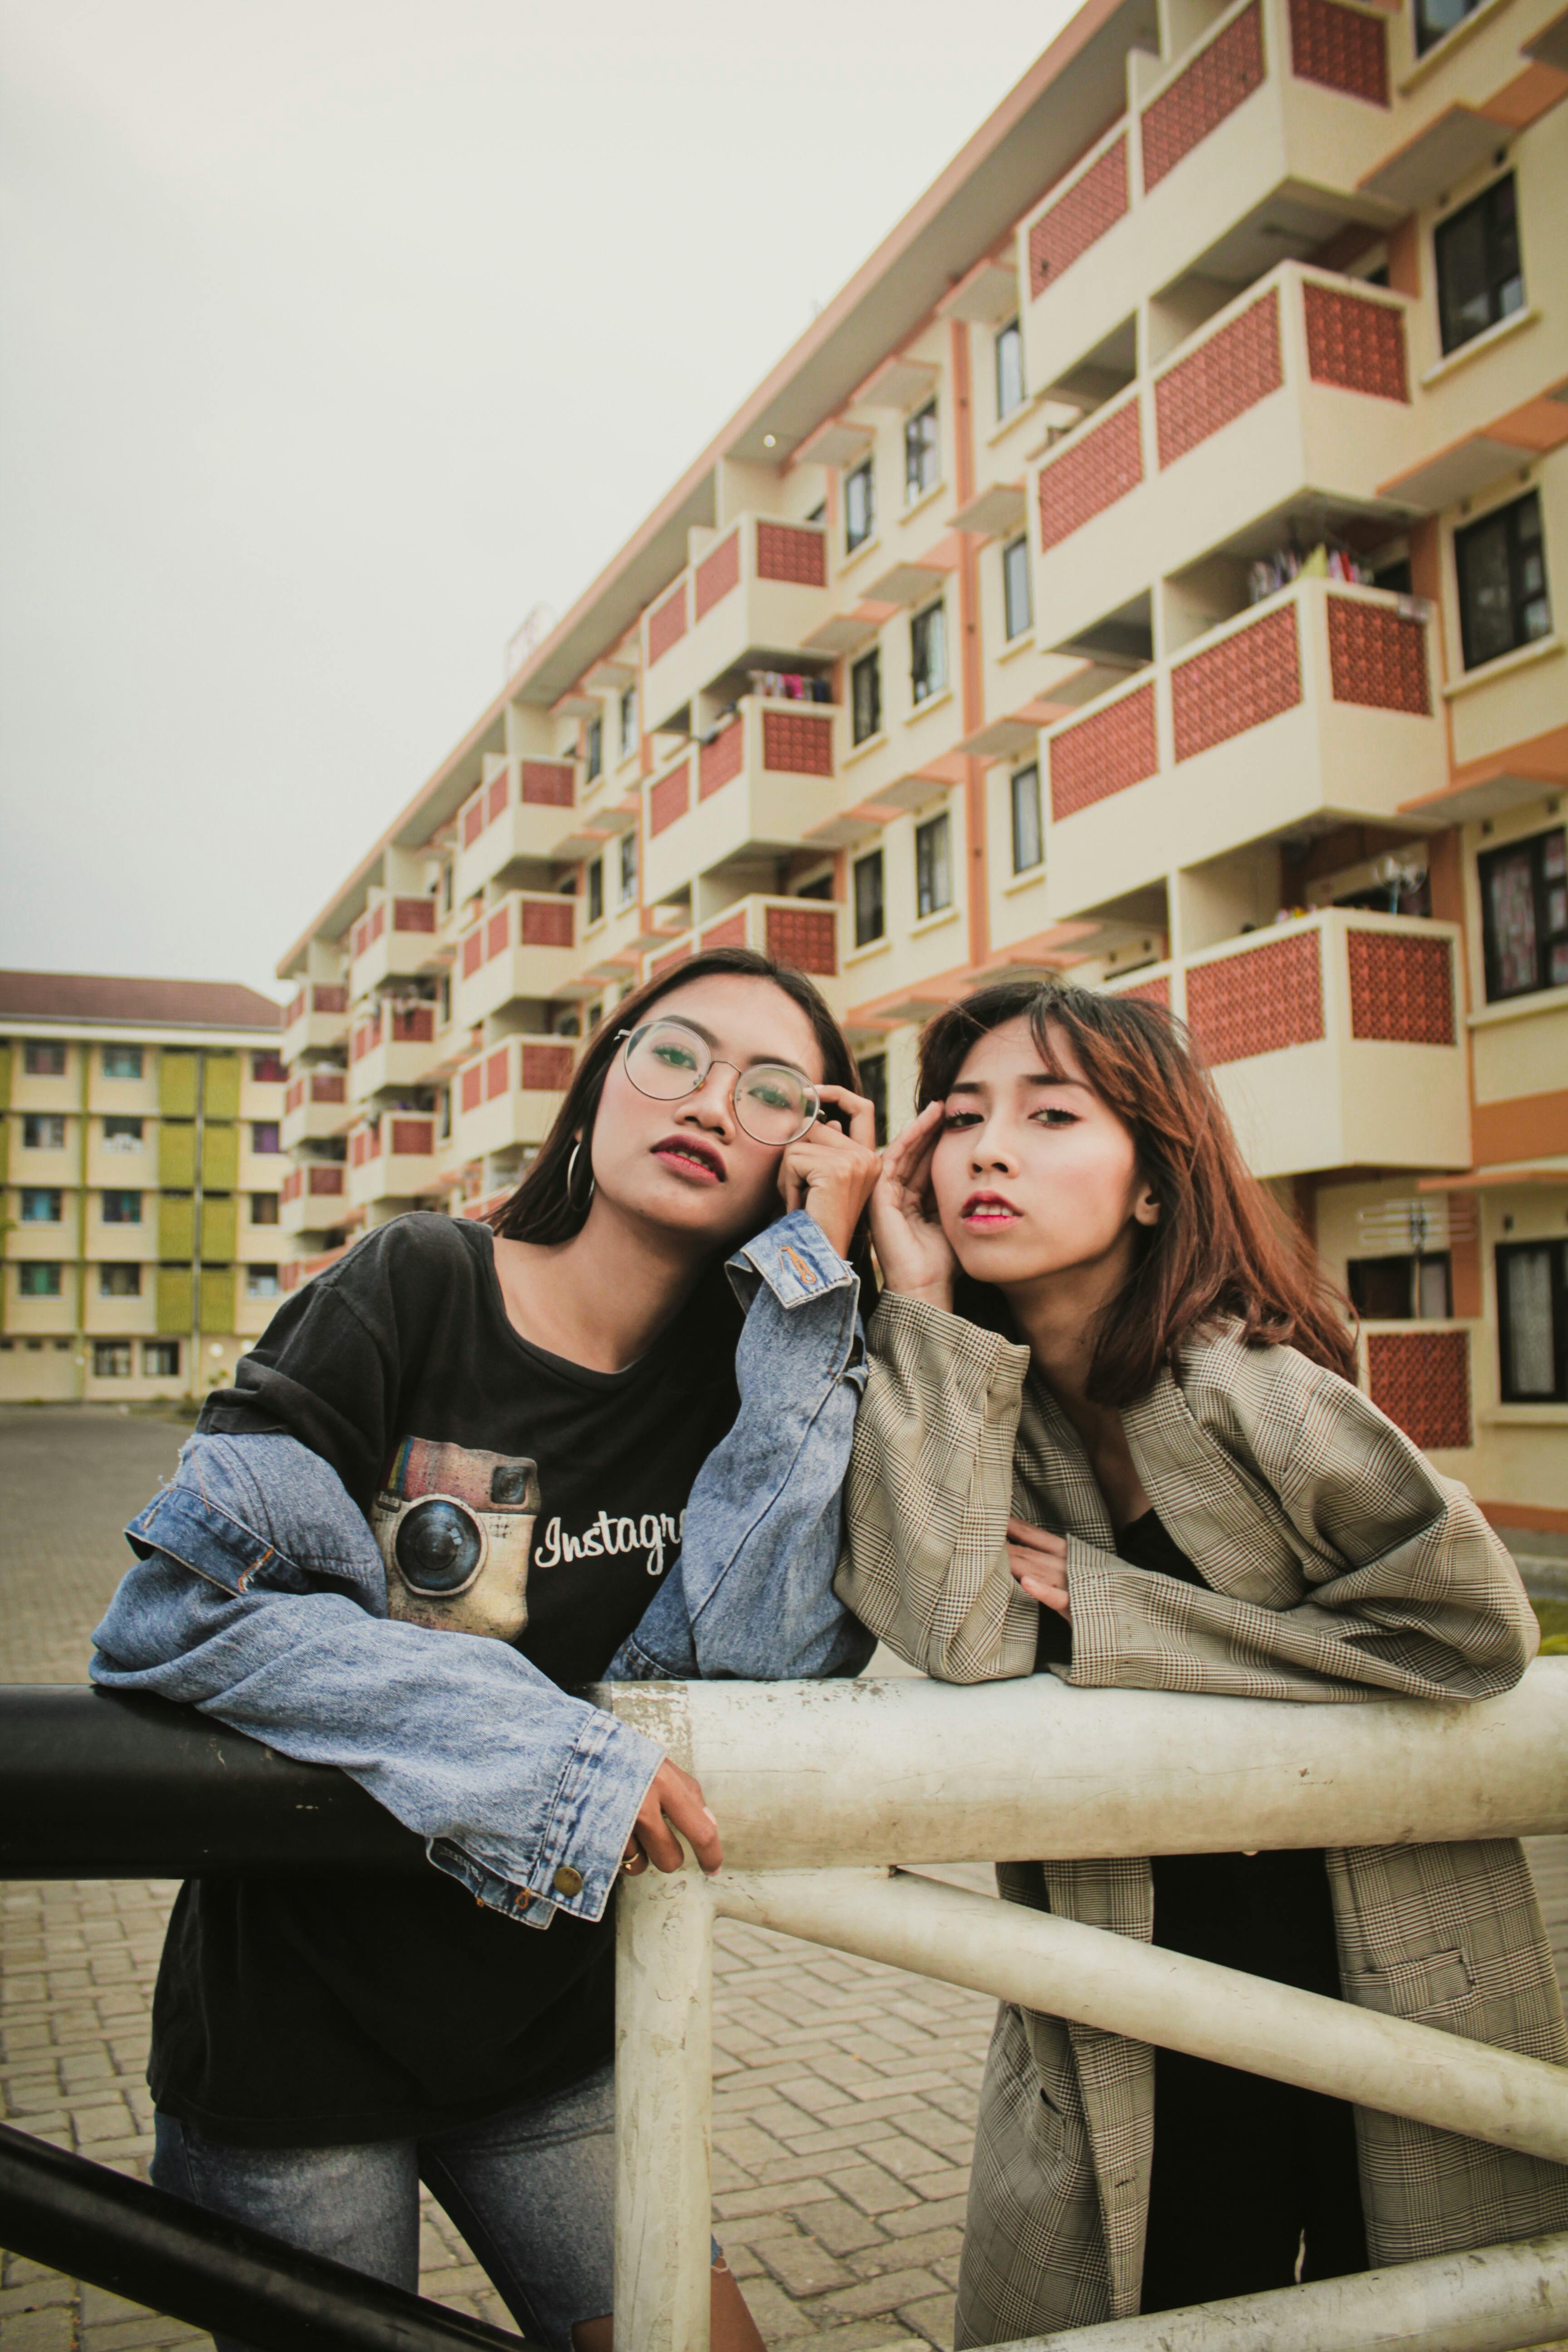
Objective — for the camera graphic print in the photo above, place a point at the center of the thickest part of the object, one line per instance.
(455, 1527)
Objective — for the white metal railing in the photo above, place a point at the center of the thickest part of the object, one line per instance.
(823, 1790)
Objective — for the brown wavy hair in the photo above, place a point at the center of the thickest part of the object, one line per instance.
(548, 1206)
(1221, 1253)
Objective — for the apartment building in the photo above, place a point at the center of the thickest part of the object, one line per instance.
(1145, 570)
(140, 1168)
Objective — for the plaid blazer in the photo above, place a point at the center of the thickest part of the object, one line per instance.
(1338, 1565)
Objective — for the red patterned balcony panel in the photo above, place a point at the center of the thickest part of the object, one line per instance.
(714, 577)
(296, 1011)
(721, 761)
(1377, 658)
(1246, 678)
(1341, 48)
(328, 1087)
(1421, 1379)
(1092, 476)
(1103, 754)
(473, 950)
(473, 820)
(785, 552)
(677, 956)
(496, 798)
(669, 798)
(412, 1139)
(730, 933)
(548, 922)
(497, 1074)
(793, 745)
(1079, 218)
(1230, 374)
(324, 1180)
(1150, 992)
(667, 623)
(547, 783)
(546, 1069)
(413, 913)
(294, 1096)
(498, 933)
(806, 937)
(367, 1035)
(293, 1184)
(330, 999)
(471, 1086)
(1257, 1001)
(1357, 344)
(413, 1024)
(1197, 101)
(1401, 988)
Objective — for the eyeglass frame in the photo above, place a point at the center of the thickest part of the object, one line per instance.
(718, 1061)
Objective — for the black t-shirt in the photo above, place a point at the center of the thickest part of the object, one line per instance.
(305, 2011)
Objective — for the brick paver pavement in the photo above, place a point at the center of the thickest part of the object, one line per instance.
(845, 2092)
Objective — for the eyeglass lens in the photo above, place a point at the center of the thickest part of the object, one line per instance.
(668, 1061)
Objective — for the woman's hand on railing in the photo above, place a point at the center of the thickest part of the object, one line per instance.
(830, 1174)
(1038, 1561)
(673, 1802)
(912, 1251)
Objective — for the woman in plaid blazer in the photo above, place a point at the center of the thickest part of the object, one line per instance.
(1134, 1453)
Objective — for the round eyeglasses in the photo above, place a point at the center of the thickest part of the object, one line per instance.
(667, 1061)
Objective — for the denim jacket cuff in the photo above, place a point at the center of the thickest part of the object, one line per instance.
(794, 1258)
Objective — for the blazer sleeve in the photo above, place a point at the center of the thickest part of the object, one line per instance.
(924, 1562)
(1408, 1591)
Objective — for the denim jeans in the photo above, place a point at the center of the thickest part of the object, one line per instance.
(531, 2190)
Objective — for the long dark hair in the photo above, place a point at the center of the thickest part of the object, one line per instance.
(1221, 1252)
(548, 1206)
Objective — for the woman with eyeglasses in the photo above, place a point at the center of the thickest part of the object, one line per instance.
(470, 1469)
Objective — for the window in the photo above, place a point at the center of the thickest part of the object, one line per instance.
(44, 1131)
(1479, 278)
(266, 1070)
(111, 1360)
(123, 1061)
(870, 920)
(1435, 18)
(42, 1059)
(264, 1136)
(628, 722)
(120, 1282)
(1501, 564)
(122, 1207)
(1524, 915)
(596, 748)
(922, 454)
(39, 1280)
(860, 507)
(1402, 1289)
(628, 856)
(866, 697)
(1533, 1319)
(42, 1204)
(121, 1134)
(261, 1282)
(928, 653)
(596, 891)
(264, 1208)
(933, 866)
(874, 1086)
(1028, 847)
(160, 1359)
(1009, 370)
(1016, 603)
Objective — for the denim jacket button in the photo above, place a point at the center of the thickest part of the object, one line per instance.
(568, 1881)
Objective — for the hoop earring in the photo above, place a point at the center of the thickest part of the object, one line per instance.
(570, 1173)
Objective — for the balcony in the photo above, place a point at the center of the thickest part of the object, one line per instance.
(524, 946)
(1334, 1040)
(393, 939)
(523, 809)
(317, 1021)
(759, 786)
(315, 1106)
(804, 933)
(760, 590)
(1297, 391)
(508, 1098)
(393, 1045)
(391, 1158)
(1319, 701)
(313, 1198)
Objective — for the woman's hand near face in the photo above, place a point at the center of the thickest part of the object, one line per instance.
(912, 1251)
(1038, 1561)
(830, 1174)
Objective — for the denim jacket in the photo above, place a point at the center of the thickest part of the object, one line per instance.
(521, 1791)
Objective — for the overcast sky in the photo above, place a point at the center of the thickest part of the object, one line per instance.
(337, 334)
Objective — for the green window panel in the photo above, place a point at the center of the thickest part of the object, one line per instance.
(177, 1154)
(5, 1147)
(176, 1225)
(173, 1297)
(5, 1073)
(221, 1093)
(218, 1299)
(220, 1226)
(177, 1083)
(220, 1158)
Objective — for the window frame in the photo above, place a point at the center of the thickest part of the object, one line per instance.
(595, 892)
(121, 1214)
(866, 472)
(119, 1265)
(1413, 1264)
(929, 866)
(627, 867)
(628, 720)
(257, 1268)
(922, 446)
(1557, 1251)
(123, 1364)
(268, 1069)
(1517, 547)
(44, 1057)
(134, 1054)
(123, 1131)
(1005, 408)
(264, 1127)
(53, 1119)
(1425, 38)
(55, 1192)
(1547, 933)
(868, 664)
(32, 1278)
(1019, 546)
(1030, 769)
(873, 1070)
(869, 859)
(166, 1372)
(594, 749)
(255, 1200)
(1494, 235)
(928, 627)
